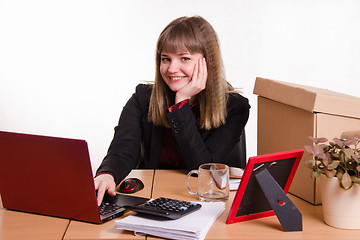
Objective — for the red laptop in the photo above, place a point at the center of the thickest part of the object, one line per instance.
(52, 176)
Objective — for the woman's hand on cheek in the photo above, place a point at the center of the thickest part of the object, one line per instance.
(197, 83)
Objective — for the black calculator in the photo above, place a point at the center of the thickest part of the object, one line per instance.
(166, 207)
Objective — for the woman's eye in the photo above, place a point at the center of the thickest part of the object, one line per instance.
(165, 59)
(185, 59)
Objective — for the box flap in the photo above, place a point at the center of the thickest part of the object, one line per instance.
(308, 98)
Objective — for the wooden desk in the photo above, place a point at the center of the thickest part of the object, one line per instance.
(17, 225)
(172, 184)
(81, 230)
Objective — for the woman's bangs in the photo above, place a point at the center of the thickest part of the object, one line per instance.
(179, 40)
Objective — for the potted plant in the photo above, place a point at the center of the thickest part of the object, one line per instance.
(337, 163)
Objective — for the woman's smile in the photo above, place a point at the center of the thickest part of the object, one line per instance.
(176, 78)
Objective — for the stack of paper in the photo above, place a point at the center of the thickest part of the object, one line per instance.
(192, 226)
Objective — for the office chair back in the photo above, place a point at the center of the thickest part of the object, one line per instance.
(237, 157)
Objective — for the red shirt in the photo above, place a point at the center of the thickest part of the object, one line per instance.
(170, 158)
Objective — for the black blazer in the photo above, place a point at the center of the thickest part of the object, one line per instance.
(137, 142)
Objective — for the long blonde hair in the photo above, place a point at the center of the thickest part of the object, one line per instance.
(197, 36)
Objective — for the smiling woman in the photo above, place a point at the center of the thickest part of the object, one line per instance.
(189, 116)
(194, 36)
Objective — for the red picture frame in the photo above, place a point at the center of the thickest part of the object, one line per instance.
(250, 202)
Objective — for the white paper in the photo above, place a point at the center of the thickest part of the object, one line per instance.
(192, 226)
(234, 184)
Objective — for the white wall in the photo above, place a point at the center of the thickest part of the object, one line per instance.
(67, 67)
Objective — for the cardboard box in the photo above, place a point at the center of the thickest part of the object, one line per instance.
(289, 113)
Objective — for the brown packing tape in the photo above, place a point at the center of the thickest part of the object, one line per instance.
(350, 134)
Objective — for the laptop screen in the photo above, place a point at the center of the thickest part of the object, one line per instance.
(47, 175)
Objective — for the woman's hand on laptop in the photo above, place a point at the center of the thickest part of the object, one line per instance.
(104, 183)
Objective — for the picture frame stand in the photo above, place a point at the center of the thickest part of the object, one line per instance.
(289, 216)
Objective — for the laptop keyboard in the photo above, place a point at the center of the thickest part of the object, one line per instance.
(106, 208)
(110, 210)
(113, 207)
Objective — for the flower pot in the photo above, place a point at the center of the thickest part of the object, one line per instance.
(341, 208)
